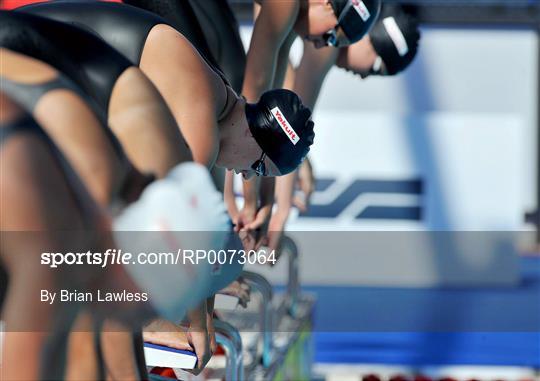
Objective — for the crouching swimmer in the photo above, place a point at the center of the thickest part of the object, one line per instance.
(117, 90)
(184, 214)
(221, 128)
(61, 107)
(55, 211)
(216, 126)
(387, 50)
(147, 155)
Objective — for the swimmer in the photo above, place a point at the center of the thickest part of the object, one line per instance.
(216, 126)
(98, 158)
(388, 49)
(211, 27)
(277, 24)
(221, 128)
(133, 108)
(82, 135)
(324, 23)
(53, 202)
(148, 157)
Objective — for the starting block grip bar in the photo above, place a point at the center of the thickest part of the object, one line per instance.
(288, 247)
(229, 338)
(259, 283)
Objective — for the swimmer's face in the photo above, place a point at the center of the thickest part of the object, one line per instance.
(361, 58)
(319, 19)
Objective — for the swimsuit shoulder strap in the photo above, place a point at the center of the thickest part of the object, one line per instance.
(29, 94)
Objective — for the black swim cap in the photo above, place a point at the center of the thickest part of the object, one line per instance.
(281, 125)
(395, 38)
(356, 17)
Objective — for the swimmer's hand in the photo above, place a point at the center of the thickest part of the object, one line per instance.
(200, 337)
(252, 225)
(256, 222)
(275, 234)
(258, 228)
(240, 289)
(164, 332)
(257, 209)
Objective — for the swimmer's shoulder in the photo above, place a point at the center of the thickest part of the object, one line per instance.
(200, 79)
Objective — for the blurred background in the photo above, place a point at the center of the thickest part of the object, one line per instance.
(436, 171)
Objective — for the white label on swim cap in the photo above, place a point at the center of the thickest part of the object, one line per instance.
(396, 35)
(285, 126)
(361, 9)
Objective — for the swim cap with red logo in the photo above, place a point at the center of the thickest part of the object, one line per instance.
(282, 127)
(356, 17)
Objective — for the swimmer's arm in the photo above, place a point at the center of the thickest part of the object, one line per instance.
(284, 188)
(229, 198)
(272, 27)
(284, 66)
(310, 74)
(201, 131)
(284, 195)
(307, 79)
(210, 322)
(306, 181)
(258, 202)
(290, 75)
(140, 118)
(267, 190)
(266, 200)
(198, 335)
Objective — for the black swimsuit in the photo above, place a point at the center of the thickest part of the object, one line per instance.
(24, 124)
(221, 31)
(90, 76)
(83, 57)
(210, 26)
(185, 20)
(122, 26)
(28, 95)
(79, 192)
